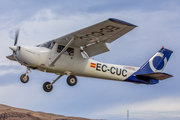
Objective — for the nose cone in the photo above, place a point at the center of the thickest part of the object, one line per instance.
(13, 48)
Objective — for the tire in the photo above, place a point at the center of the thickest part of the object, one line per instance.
(23, 79)
(47, 87)
(71, 80)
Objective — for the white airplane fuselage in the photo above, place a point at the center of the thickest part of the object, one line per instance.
(40, 57)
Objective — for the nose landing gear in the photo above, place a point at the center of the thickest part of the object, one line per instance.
(24, 77)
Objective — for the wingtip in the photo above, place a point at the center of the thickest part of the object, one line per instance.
(121, 21)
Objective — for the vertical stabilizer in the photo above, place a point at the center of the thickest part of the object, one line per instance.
(157, 63)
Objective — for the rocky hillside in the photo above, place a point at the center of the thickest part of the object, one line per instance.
(11, 113)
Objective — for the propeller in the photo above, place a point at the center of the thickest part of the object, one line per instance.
(16, 37)
(14, 48)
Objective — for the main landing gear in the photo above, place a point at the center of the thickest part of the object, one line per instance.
(24, 77)
(71, 81)
(48, 86)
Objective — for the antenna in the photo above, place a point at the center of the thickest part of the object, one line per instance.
(127, 114)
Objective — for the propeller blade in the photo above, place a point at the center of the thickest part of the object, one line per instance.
(16, 37)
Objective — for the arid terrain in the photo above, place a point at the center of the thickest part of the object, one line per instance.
(12, 113)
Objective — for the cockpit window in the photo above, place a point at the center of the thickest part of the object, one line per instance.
(48, 44)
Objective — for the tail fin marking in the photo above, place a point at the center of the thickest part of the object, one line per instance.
(157, 63)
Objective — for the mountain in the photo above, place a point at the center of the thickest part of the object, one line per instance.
(12, 113)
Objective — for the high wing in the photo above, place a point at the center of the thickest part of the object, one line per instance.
(93, 39)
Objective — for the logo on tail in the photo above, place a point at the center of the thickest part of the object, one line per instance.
(158, 62)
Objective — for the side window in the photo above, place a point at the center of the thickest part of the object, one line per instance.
(69, 51)
(60, 48)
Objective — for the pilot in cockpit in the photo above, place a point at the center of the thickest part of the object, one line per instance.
(60, 48)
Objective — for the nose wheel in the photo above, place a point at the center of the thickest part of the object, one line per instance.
(24, 77)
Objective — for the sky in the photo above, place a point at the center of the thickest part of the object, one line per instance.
(43, 20)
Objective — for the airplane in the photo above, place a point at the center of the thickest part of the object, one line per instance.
(71, 55)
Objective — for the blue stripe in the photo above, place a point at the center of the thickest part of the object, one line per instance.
(133, 78)
(120, 21)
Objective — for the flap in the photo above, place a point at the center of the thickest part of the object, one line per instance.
(106, 31)
(157, 76)
(96, 49)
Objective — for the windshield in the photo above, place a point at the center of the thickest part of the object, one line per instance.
(48, 44)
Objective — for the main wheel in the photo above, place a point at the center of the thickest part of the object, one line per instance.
(71, 80)
(47, 86)
(24, 78)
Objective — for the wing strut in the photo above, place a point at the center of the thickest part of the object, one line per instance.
(64, 49)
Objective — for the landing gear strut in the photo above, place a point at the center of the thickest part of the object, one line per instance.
(24, 77)
(47, 86)
(71, 81)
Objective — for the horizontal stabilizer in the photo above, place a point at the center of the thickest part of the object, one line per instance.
(157, 76)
